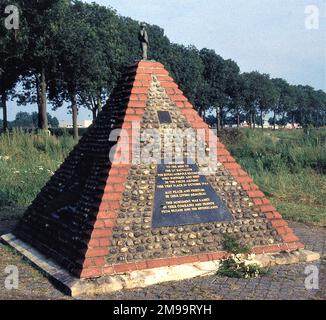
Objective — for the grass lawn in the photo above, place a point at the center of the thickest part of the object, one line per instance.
(27, 161)
(299, 197)
(289, 166)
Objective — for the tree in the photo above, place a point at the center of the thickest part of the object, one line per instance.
(233, 86)
(251, 95)
(260, 95)
(108, 51)
(312, 106)
(280, 88)
(23, 120)
(320, 102)
(12, 46)
(293, 110)
(78, 49)
(186, 67)
(53, 121)
(286, 102)
(44, 19)
(237, 105)
(216, 78)
(268, 95)
(27, 120)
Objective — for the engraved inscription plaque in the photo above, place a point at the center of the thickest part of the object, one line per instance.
(183, 197)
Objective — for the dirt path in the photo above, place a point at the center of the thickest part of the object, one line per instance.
(283, 282)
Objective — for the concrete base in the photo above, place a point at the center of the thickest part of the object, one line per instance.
(141, 278)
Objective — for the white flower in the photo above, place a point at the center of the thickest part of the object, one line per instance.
(251, 256)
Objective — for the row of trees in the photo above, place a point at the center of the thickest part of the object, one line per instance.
(251, 96)
(30, 120)
(69, 51)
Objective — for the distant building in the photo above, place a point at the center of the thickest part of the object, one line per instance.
(266, 125)
(295, 126)
(244, 125)
(81, 124)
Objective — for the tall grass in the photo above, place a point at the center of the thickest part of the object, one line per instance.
(27, 161)
(290, 167)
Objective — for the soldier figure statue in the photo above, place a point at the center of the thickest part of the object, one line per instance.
(144, 42)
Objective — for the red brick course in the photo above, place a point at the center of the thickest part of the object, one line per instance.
(152, 264)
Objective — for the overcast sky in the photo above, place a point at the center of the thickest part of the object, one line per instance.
(265, 35)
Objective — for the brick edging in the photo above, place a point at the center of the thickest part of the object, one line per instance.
(206, 257)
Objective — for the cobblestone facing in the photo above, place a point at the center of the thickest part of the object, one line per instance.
(281, 283)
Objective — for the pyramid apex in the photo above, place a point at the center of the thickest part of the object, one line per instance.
(147, 64)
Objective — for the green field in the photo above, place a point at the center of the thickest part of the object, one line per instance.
(289, 166)
(26, 163)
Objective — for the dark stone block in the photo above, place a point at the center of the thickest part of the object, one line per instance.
(164, 117)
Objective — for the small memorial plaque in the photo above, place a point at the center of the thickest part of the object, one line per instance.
(183, 196)
(164, 117)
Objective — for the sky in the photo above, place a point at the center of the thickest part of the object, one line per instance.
(285, 38)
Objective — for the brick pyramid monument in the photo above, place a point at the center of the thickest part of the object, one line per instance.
(97, 217)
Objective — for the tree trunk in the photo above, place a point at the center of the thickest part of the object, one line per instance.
(251, 120)
(262, 119)
(43, 118)
(221, 118)
(218, 119)
(283, 120)
(4, 106)
(274, 121)
(94, 114)
(38, 100)
(99, 105)
(292, 120)
(254, 120)
(74, 116)
(238, 119)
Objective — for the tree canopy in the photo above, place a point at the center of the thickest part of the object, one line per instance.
(71, 52)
